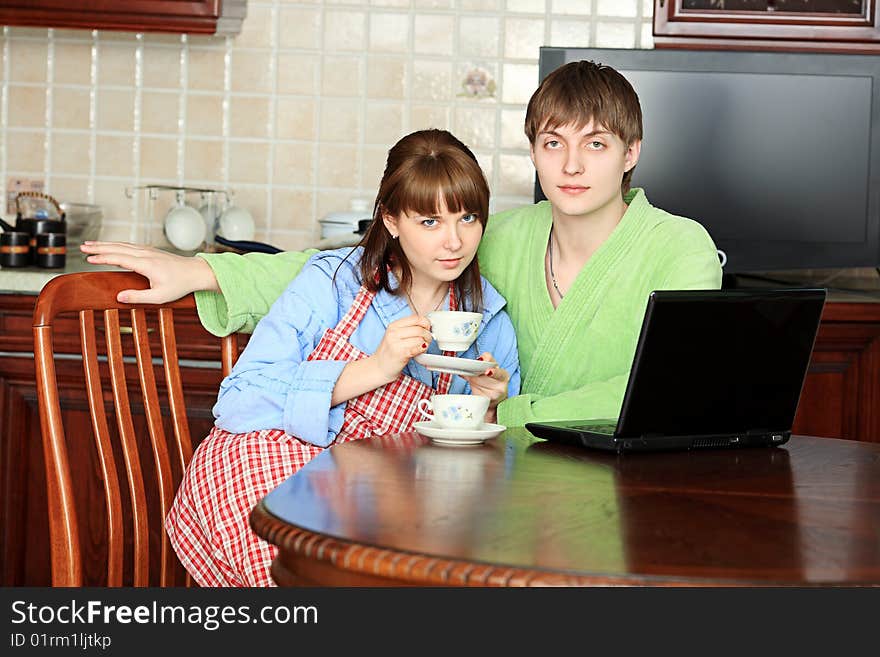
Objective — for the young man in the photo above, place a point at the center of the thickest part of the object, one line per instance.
(576, 270)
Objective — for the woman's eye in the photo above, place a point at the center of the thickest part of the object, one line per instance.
(469, 218)
(428, 223)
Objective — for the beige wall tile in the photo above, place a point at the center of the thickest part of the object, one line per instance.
(27, 60)
(475, 126)
(648, 8)
(520, 82)
(158, 158)
(389, 32)
(574, 7)
(115, 109)
(293, 240)
(335, 201)
(251, 71)
(615, 35)
(203, 159)
(516, 175)
(432, 81)
(526, 6)
(340, 120)
(248, 162)
(117, 207)
(160, 111)
(566, 32)
(390, 3)
(344, 30)
(647, 36)
(384, 123)
(249, 117)
(72, 190)
(386, 77)
(300, 27)
(512, 135)
(116, 64)
(434, 34)
(294, 164)
(372, 170)
(256, 31)
(292, 208)
(114, 156)
(434, 4)
(161, 67)
(70, 153)
(26, 151)
(337, 166)
(422, 117)
(205, 70)
(253, 199)
(342, 75)
(295, 119)
(73, 63)
(478, 36)
(27, 107)
(297, 74)
(204, 115)
(486, 160)
(523, 37)
(70, 108)
(626, 8)
(480, 5)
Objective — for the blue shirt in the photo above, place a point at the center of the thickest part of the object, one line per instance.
(273, 386)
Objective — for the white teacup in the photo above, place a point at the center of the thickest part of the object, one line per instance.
(455, 411)
(454, 330)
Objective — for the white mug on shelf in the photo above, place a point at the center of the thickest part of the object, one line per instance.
(184, 227)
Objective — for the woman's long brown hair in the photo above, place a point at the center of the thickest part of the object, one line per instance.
(422, 168)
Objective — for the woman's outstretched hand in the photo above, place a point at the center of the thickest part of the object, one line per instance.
(491, 384)
(171, 276)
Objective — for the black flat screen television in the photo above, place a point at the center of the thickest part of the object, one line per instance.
(776, 154)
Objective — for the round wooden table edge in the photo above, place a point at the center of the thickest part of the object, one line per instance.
(310, 558)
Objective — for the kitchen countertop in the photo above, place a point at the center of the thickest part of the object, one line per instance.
(30, 280)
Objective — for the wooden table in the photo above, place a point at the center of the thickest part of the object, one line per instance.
(518, 511)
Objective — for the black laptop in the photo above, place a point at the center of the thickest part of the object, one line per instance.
(712, 368)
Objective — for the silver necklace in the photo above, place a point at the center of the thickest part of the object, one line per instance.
(552, 274)
(416, 310)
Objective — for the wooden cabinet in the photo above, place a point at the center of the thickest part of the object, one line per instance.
(221, 17)
(792, 25)
(841, 399)
(24, 531)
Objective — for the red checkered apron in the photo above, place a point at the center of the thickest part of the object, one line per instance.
(229, 473)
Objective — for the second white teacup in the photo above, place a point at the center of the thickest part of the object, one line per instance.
(455, 411)
(454, 330)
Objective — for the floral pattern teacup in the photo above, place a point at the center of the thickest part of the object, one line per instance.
(454, 330)
(455, 411)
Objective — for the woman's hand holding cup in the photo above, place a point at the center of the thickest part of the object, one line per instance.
(492, 384)
(403, 339)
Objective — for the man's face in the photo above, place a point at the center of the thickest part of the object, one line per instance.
(581, 170)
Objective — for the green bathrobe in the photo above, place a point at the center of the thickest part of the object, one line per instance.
(575, 359)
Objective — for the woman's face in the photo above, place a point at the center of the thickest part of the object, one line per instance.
(439, 247)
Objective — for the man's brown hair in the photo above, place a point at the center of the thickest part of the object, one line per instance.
(578, 92)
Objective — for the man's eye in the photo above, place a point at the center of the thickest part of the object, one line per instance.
(552, 144)
(469, 218)
(596, 145)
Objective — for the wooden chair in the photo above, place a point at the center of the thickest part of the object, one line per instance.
(86, 293)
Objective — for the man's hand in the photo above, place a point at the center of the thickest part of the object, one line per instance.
(171, 276)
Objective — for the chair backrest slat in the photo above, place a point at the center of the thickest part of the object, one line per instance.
(63, 527)
(128, 440)
(103, 443)
(85, 294)
(168, 338)
(158, 443)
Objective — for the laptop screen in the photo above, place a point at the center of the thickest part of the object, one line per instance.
(711, 362)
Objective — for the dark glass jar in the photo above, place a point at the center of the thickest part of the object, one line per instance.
(15, 249)
(51, 250)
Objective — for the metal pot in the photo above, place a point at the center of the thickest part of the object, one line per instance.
(40, 222)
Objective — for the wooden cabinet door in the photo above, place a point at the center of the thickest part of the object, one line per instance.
(797, 25)
(192, 16)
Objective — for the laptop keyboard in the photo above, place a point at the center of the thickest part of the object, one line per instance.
(607, 429)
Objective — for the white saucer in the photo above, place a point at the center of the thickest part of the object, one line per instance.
(443, 436)
(453, 365)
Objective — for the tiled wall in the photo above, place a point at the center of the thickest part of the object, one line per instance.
(295, 114)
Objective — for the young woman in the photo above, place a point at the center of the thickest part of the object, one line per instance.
(332, 360)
